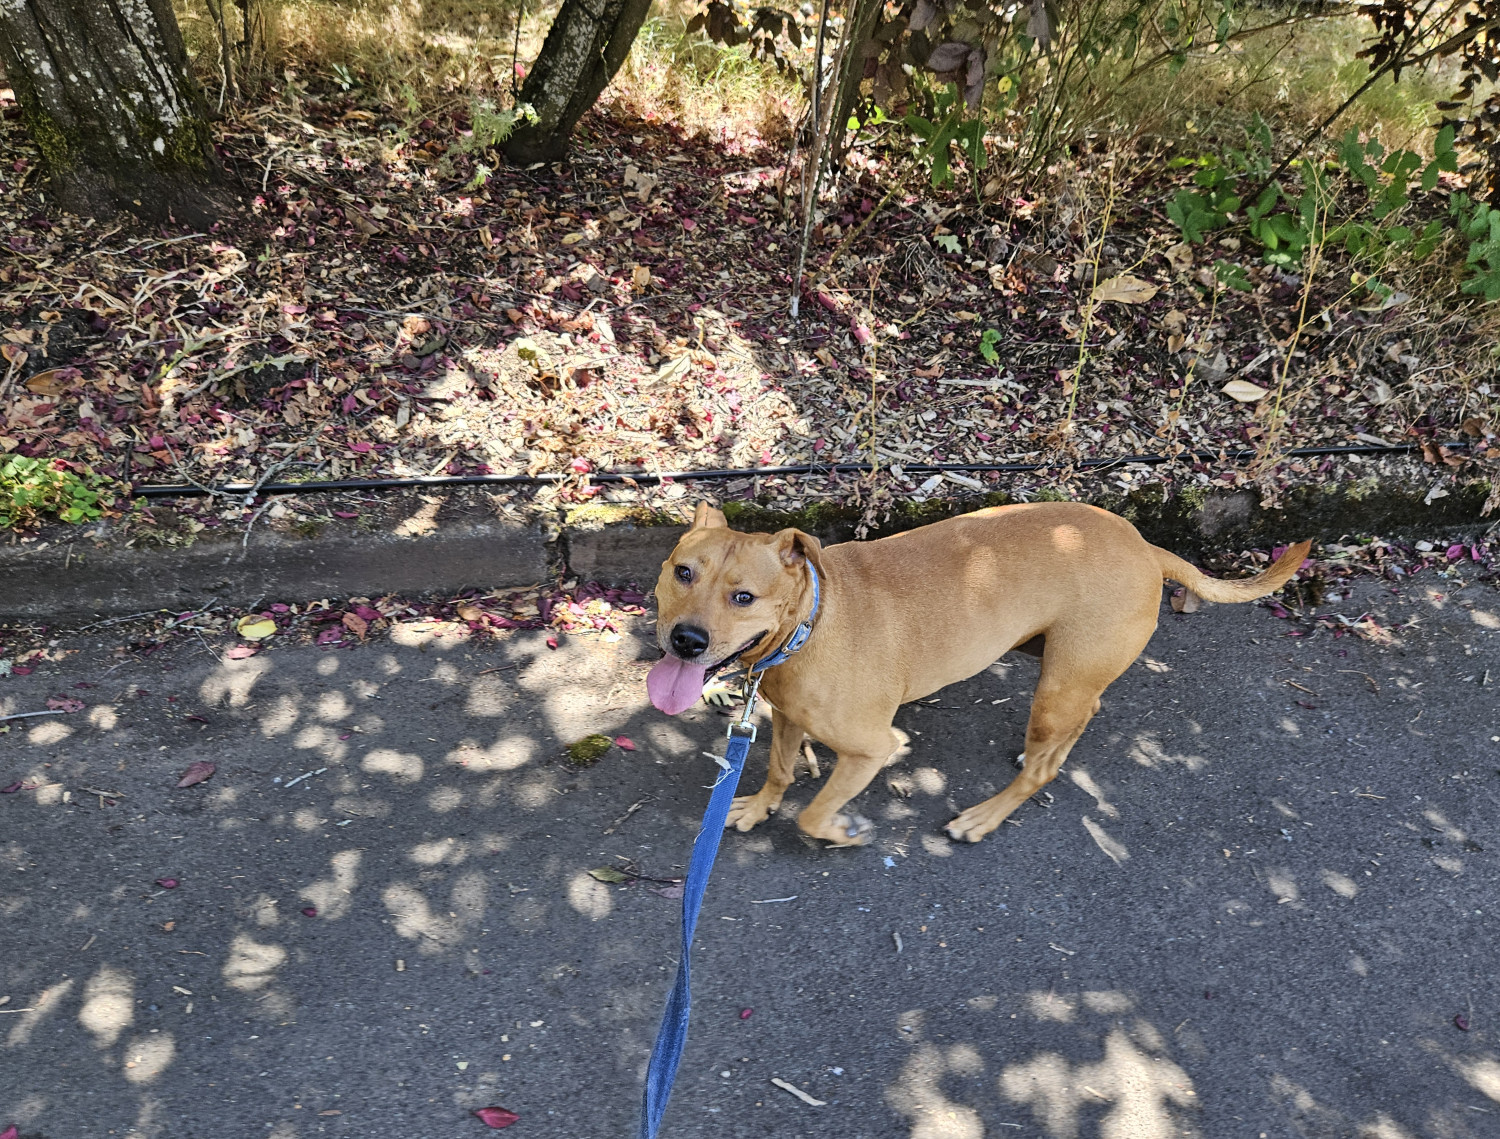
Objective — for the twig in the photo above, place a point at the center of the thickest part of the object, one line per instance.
(24, 715)
(211, 651)
(189, 478)
(245, 541)
(798, 1092)
(632, 809)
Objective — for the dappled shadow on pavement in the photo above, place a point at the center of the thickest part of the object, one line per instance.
(1259, 902)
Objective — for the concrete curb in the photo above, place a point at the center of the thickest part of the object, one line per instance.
(64, 581)
(77, 574)
(630, 548)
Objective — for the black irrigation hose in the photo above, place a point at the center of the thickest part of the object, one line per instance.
(752, 472)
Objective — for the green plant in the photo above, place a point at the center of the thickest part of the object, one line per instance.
(32, 488)
(987, 344)
(1479, 222)
(492, 126)
(949, 125)
(1368, 223)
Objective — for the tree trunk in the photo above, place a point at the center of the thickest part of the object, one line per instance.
(105, 94)
(586, 45)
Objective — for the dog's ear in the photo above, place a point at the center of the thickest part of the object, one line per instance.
(707, 518)
(795, 547)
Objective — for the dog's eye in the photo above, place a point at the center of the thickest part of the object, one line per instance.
(742, 597)
(684, 573)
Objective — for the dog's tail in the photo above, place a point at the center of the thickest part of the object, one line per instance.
(1241, 589)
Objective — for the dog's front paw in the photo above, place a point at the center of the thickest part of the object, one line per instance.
(845, 830)
(749, 811)
(971, 826)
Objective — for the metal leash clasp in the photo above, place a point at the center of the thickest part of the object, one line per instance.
(752, 693)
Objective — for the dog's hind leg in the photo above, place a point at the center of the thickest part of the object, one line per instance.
(748, 811)
(1058, 717)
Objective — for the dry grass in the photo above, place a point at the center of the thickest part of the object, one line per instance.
(720, 93)
(415, 55)
(1293, 77)
(409, 53)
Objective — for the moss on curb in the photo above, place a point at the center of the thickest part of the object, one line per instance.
(587, 751)
(597, 515)
(1188, 520)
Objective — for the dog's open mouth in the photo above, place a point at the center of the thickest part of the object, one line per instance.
(675, 685)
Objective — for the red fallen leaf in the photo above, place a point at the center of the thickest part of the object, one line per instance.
(689, 224)
(11, 1132)
(167, 883)
(552, 642)
(496, 1117)
(241, 652)
(348, 513)
(19, 671)
(863, 334)
(197, 772)
(360, 448)
(745, 1014)
(12, 789)
(309, 911)
(1455, 551)
(330, 635)
(625, 743)
(64, 703)
(1460, 1022)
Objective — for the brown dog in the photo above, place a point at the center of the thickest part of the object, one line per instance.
(904, 616)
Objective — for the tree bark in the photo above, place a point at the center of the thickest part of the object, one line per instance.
(106, 95)
(586, 45)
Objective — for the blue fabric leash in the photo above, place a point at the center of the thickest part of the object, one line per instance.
(671, 1038)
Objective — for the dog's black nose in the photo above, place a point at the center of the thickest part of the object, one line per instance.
(689, 641)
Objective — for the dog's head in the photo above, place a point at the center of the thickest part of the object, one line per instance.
(723, 596)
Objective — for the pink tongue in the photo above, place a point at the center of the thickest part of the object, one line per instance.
(674, 685)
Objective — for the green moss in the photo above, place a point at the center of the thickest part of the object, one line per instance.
(50, 140)
(597, 515)
(587, 751)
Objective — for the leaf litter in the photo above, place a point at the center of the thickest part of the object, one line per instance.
(425, 310)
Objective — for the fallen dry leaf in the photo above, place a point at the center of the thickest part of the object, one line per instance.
(64, 704)
(469, 612)
(1125, 289)
(196, 773)
(11, 1132)
(167, 883)
(1180, 257)
(255, 628)
(625, 743)
(496, 1117)
(355, 624)
(241, 652)
(1244, 391)
(608, 874)
(52, 382)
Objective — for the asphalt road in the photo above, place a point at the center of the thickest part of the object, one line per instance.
(1260, 902)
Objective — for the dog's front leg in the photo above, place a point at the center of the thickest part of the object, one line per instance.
(786, 742)
(824, 817)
